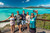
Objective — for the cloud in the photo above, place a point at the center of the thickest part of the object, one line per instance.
(1, 3)
(22, 1)
(48, 5)
(27, 0)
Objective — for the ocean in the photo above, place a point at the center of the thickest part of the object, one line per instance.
(6, 12)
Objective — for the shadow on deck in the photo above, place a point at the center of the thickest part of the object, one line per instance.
(25, 31)
(41, 32)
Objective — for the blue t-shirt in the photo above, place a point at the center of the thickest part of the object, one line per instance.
(33, 22)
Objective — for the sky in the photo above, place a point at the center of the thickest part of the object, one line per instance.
(24, 3)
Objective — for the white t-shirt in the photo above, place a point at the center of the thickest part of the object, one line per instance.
(28, 19)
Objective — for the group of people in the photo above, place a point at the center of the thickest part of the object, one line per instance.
(23, 20)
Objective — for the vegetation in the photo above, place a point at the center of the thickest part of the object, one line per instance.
(44, 16)
(40, 24)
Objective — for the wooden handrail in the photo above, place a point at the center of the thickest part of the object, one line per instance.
(4, 21)
(43, 19)
(37, 19)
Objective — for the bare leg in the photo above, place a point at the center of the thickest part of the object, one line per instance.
(11, 29)
(27, 27)
(24, 26)
(19, 28)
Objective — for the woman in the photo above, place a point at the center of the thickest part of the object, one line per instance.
(27, 20)
(33, 22)
(12, 22)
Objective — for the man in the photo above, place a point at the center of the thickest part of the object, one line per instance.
(23, 20)
(18, 18)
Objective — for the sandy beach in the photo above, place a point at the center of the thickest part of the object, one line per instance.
(4, 24)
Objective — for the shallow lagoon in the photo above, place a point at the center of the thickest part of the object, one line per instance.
(6, 12)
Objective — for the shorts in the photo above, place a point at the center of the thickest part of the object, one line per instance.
(18, 23)
(27, 22)
(12, 23)
(23, 22)
(32, 30)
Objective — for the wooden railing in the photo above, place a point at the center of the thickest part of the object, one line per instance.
(4, 21)
(44, 20)
(37, 19)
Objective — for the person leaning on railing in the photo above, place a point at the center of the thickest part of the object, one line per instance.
(12, 22)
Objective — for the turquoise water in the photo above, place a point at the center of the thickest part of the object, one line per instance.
(6, 12)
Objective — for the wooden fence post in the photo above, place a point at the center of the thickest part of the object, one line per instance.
(44, 25)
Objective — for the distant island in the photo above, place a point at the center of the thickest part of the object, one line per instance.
(27, 7)
(38, 7)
